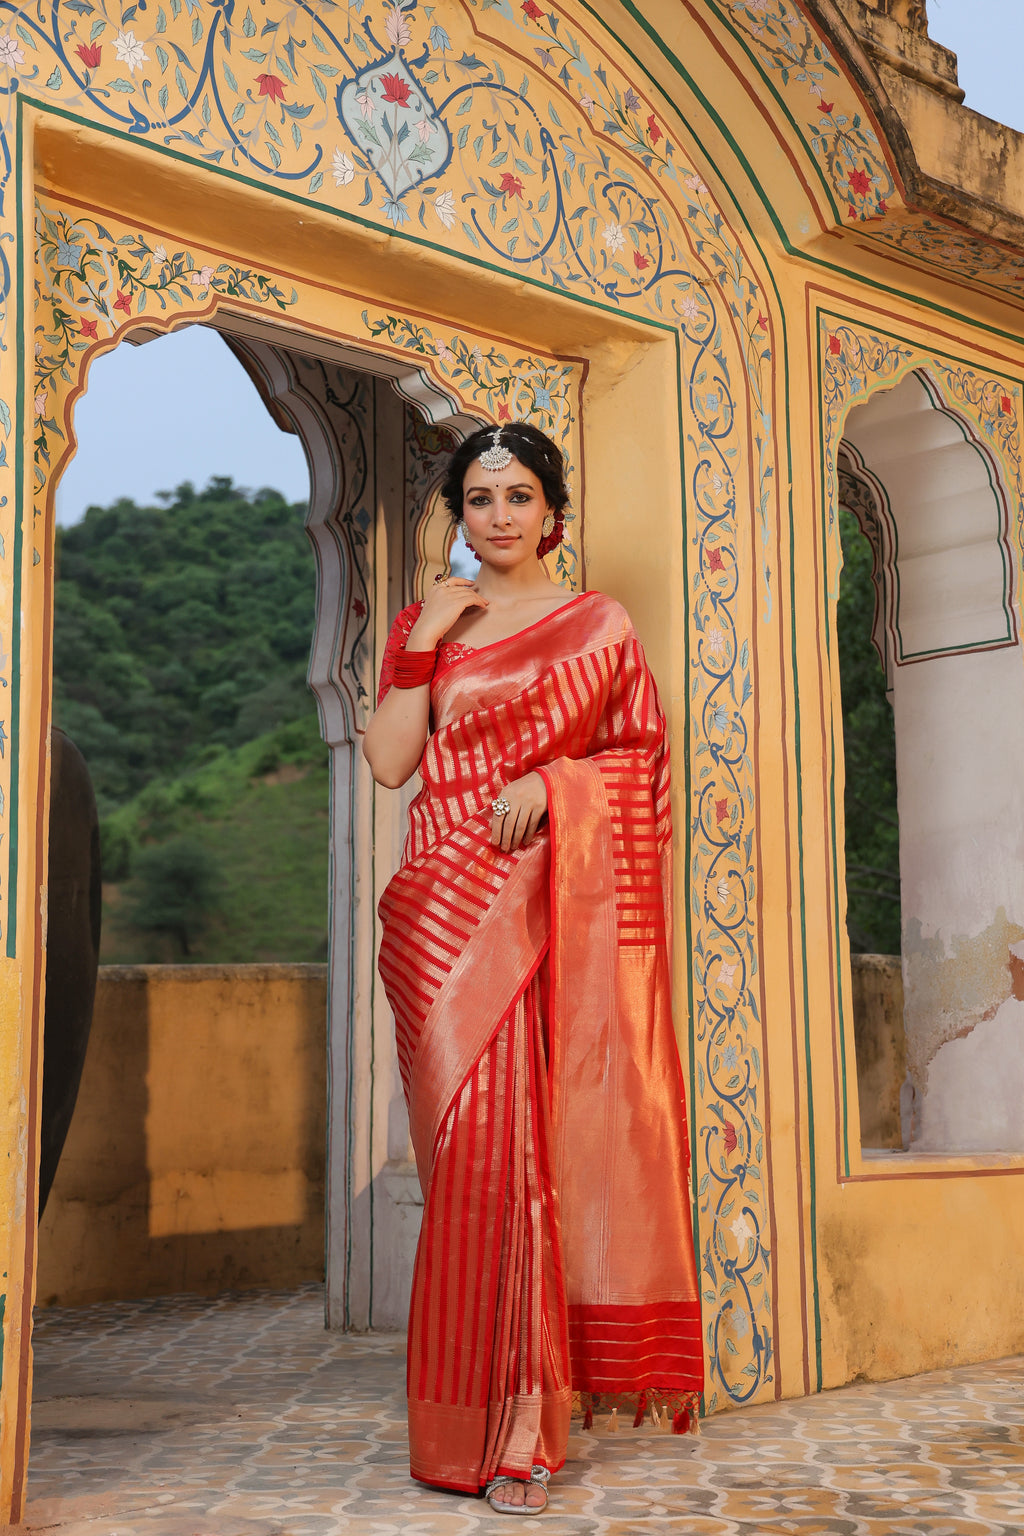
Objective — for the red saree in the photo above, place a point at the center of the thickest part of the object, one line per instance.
(532, 1007)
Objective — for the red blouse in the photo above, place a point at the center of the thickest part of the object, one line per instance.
(448, 652)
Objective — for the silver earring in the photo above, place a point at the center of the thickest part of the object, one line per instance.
(547, 527)
(464, 530)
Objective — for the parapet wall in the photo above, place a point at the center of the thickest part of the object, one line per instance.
(195, 1159)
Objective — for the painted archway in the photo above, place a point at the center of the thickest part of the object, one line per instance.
(661, 234)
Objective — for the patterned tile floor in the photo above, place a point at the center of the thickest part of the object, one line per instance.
(241, 1417)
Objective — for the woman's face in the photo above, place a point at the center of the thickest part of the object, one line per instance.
(504, 510)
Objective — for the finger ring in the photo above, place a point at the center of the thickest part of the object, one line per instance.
(440, 581)
(500, 807)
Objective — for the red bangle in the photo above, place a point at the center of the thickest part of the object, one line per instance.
(414, 668)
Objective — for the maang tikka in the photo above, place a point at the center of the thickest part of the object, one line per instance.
(497, 456)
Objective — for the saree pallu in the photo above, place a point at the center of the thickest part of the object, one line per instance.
(532, 1004)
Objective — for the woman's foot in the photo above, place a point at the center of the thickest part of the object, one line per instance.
(518, 1495)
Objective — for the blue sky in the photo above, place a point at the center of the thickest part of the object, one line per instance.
(181, 408)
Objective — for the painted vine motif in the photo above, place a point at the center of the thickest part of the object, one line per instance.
(993, 405)
(844, 144)
(731, 1195)
(89, 283)
(428, 122)
(952, 250)
(854, 362)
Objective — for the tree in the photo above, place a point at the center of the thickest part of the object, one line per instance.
(869, 740)
(174, 891)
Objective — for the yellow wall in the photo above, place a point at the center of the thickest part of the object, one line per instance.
(195, 1159)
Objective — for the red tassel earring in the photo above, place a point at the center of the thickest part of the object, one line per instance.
(551, 530)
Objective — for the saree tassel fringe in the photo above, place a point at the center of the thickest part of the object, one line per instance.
(613, 1421)
(686, 1422)
(588, 1419)
(641, 1409)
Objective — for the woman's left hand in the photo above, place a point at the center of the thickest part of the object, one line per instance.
(528, 801)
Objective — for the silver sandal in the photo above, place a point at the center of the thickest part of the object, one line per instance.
(538, 1478)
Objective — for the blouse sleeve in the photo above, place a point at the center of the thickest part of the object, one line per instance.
(400, 630)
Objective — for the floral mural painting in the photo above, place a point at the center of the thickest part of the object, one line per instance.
(823, 105)
(505, 134)
(856, 360)
(89, 283)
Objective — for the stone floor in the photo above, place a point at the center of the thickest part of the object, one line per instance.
(241, 1417)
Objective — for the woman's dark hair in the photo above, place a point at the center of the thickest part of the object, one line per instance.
(528, 444)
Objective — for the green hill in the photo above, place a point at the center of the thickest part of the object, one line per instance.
(181, 637)
(247, 834)
(178, 628)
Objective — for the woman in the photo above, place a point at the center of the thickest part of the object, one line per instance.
(525, 955)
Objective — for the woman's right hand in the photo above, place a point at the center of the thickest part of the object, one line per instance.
(445, 602)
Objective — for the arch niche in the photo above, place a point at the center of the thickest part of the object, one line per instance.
(376, 430)
(947, 626)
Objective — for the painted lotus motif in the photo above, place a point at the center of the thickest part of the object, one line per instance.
(393, 123)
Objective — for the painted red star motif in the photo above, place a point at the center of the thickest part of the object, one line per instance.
(511, 185)
(123, 301)
(89, 329)
(859, 183)
(721, 811)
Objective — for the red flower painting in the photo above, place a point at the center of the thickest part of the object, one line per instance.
(859, 183)
(653, 129)
(640, 262)
(89, 329)
(532, 10)
(826, 106)
(715, 562)
(395, 89)
(90, 54)
(272, 86)
(731, 1141)
(504, 414)
(511, 185)
(835, 346)
(721, 810)
(123, 301)
(1005, 404)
